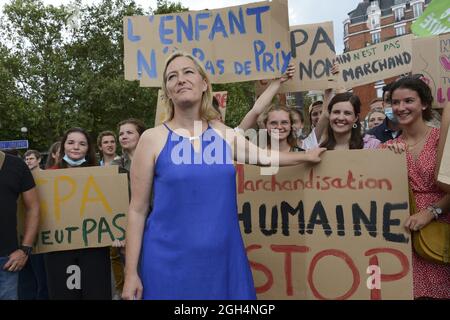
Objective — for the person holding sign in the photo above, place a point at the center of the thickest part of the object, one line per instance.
(189, 246)
(278, 121)
(344, 128)
(411, 103)
(15, 180)
(91, 266)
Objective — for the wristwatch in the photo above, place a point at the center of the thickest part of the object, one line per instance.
(26, 249)
(435, 210)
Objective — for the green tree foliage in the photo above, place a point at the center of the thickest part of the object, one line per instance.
(62, 67)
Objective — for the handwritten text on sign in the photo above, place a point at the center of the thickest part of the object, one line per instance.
(235, 44)
(376, 62)
(81, 208)
(431, 57)
(312, 49)
(313, 232)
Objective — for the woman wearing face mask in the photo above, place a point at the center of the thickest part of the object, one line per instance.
(278, 121)
(344, 128)
(94, 263)
(388, 129)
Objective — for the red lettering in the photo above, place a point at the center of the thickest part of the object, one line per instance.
(399, 255)
(260, 267)
(288, 250)
(440, 95)
(241, 177)
(375, 294)
(347, 259)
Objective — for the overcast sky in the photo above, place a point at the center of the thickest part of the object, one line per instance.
(300, 11)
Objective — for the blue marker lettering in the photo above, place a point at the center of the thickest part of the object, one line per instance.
(268, 60)
(187, 29)
(258, 48)
(163, 31)
(233, 21)
(258, 11)
(130, 35)
(218, 26)
(199, 27)
(198, 53)
(210, 67)
(220, 65)
(142, 64)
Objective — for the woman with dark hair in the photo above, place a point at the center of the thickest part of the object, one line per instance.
(53, 153)
(344, 128)
(411, 103)
(77, 150)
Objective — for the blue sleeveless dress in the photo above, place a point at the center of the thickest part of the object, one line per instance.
(192, 246)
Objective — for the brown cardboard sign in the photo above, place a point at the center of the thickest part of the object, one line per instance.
(240, 43)
(313, 52)
(329, 231)
(431, 57)
(80, 208)
(376, 62)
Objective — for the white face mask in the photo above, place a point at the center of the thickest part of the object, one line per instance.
(390, 114)
(74, 163)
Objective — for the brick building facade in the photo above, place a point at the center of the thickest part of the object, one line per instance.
(376, 21)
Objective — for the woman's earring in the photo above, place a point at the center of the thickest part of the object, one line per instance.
(354, 126)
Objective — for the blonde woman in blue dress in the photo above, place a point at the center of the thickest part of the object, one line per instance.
(189, 246)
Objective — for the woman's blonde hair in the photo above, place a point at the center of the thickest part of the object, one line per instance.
(207, 111)
(291, 139)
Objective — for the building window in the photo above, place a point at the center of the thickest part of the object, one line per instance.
(417, 9)
(400, 31)
(376, 37)
(346, 30)
(374, 22)
(399, 14)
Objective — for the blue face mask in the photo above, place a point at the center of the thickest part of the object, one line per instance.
(74, 163)
(390, 114)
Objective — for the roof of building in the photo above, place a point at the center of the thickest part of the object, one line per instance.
(360, 13)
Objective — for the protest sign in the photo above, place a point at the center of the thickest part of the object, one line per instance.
(240, 43)
(80, 208)
(376, 62)
(329, 231)
(161, 106)
(435, 20)
(313, 52)
(222, 98)
(444, 169)
(431, 57)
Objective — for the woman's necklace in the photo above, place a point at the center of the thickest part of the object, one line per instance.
(413, 145)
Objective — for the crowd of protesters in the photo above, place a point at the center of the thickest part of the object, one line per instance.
(401, 120)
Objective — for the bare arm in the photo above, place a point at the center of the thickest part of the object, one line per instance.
(265, 99)
(247, 152)
(322, 124)
(31, 202)
(141, 176)
(445, 123)
(17, 259)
